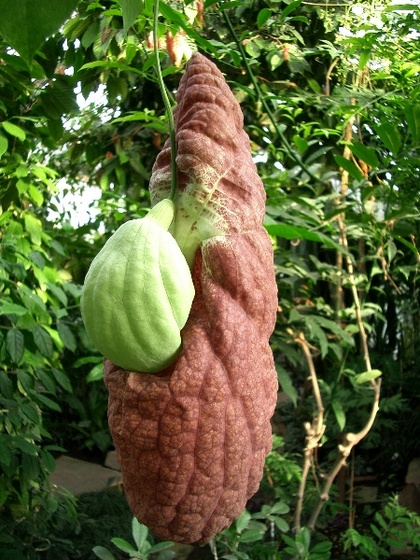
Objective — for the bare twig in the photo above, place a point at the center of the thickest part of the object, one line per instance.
(344, 449)
(328, 75)
(314, 430)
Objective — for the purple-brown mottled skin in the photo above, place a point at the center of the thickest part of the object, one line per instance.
(192, 440)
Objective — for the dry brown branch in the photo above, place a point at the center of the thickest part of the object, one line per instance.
(328, 75)
(314, 430)
(344, 449)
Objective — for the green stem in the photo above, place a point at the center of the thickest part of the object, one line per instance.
(264, 103)
(168, 107)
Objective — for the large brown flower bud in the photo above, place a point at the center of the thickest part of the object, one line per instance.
(192, 439)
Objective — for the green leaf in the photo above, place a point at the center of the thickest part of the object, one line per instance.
(300, 143)
(8, 307)
(31, 411)
(30, 467)
(131, 9)
(280, 508)
(25, 24)
(390, 136)
(314, 85)
(59, 293)
(364, 58)
(252, 48)
(48, 461)
(34, 227)
(160, 546)
(36, 195)
(335, 328)
(412, 113)
(339, 413)
(139, 532)
(66, 336)
(286, 384)
(281, 524)
(322, 548)
(96, 373)
(103, 553)
(243, 521)
(46, 401)
(43, 341)
(349, 166)
(25, 445)
(58, 98)
(26, 382)
(365, 153)
(166, 555)
(298, 232)
(3, 144)
(47, 380)
(14, 129)
(124, 546)
(263, 16)
(367, 376)
(62, 379)
(15, 344)
(251, 535)
(317, 332)
(290, 8)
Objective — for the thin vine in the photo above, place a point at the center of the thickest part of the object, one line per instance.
(168, 107)
(264, 103)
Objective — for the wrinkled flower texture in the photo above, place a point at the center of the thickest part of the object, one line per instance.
(191, 440)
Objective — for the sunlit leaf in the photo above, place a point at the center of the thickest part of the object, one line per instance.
(3, 144)
(34, 227)
(243, 521)
(368, 376)
(14, 129)
(365, 153)
(390, 136)
(289, 9)
(131, 9)
(123, 545)
(412, 113)
(263, 16)
(349, 166)
(25, 24)
(96, 373)
(139, 532)
(8, 307)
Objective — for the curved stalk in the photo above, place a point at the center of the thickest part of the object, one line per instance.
(168, 107)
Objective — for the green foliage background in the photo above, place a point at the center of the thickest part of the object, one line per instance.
(331, 100)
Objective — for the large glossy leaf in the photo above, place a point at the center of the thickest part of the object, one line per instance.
(349, 166)
(25, 24)
(365, 153)
(390, 136)
(130, 9)
(412, 112)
